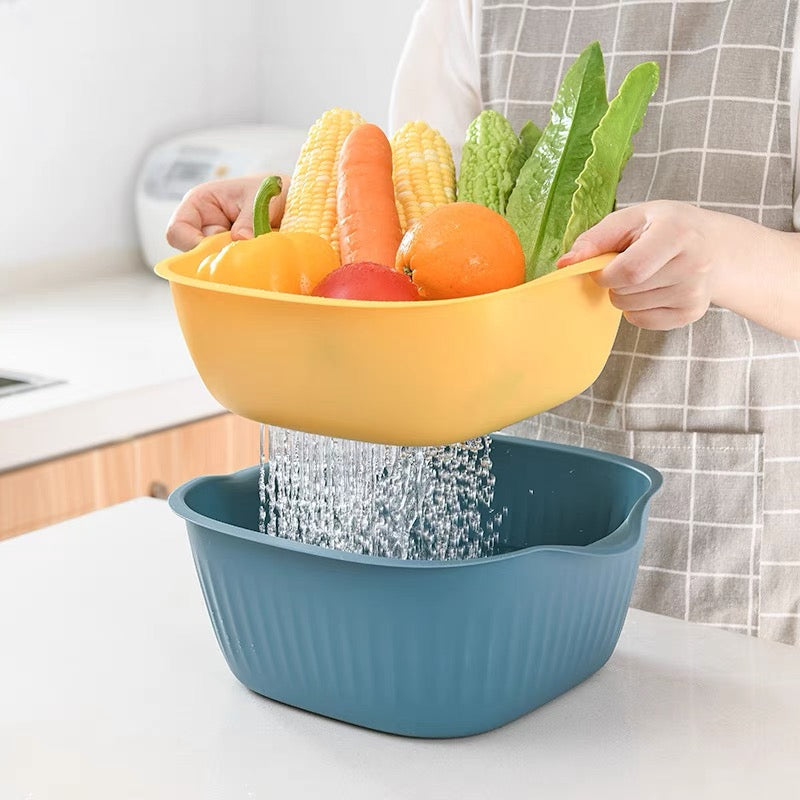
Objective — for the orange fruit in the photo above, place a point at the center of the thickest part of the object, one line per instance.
(459, 250)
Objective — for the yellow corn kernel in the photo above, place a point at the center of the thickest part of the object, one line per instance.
(423, 171)
(311, 200)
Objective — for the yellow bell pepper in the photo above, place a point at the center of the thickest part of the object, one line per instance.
(276, 262)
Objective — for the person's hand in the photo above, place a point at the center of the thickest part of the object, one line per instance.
(664, 275)
(219, 206)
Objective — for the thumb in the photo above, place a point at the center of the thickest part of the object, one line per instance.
(612, 234)
(242, 228)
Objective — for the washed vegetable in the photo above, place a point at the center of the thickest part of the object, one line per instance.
(278, 262)
(369, 228)
(311, 199)
(422, 170)
(461, 249)
(491, 160)
(529, 135)
(540, 203)
(270, 187)
(288, 262)
(367, 281)
(187, 263)
(522, 199)
(611, 149)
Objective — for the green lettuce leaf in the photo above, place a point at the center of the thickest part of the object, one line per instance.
(611, 148)
(486, 174)
(540, 204)
(528, 136)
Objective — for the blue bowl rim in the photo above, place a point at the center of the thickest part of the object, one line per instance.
(177, 502)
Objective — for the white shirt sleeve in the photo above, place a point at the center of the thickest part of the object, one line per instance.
(438, 78)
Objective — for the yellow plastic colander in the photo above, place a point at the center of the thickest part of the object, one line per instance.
(411, 373)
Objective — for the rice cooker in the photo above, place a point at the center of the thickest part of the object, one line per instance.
(177, 165)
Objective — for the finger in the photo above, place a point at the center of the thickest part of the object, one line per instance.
(655, 248)
(665, 297)
(184, 235)
(196, 213)
(612, 234)
(184, 227)
(242, 228)
(214, 211)
(210, 230)
(663, 319)
(677, 270)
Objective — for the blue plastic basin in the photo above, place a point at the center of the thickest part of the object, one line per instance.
(425, 648)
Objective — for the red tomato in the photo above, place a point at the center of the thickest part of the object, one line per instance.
(366, 281)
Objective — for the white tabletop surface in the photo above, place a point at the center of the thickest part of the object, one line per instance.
(116, 344)
(112, 686)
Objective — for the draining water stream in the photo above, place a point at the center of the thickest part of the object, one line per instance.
(382, 500)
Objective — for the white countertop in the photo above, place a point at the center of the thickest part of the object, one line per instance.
(117, 344)
(112, 686)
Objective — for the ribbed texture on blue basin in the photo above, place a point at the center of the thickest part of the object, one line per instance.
(424, 648)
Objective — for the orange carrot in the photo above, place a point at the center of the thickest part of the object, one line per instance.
(369, 228)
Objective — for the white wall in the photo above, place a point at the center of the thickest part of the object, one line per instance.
(85, 87)
(325, 53)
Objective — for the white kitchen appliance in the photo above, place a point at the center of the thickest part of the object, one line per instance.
(177, 165)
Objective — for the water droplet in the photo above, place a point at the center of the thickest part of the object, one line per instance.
(401, 502)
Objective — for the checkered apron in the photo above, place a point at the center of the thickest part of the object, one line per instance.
(715, 405)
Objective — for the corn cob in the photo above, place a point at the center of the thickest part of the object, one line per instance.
(311, 200)
(423, 171)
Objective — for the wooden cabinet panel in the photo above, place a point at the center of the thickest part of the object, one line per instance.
(47, 493)
(156, 463)
(217, 445)
(171, 457)
(114, 474)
